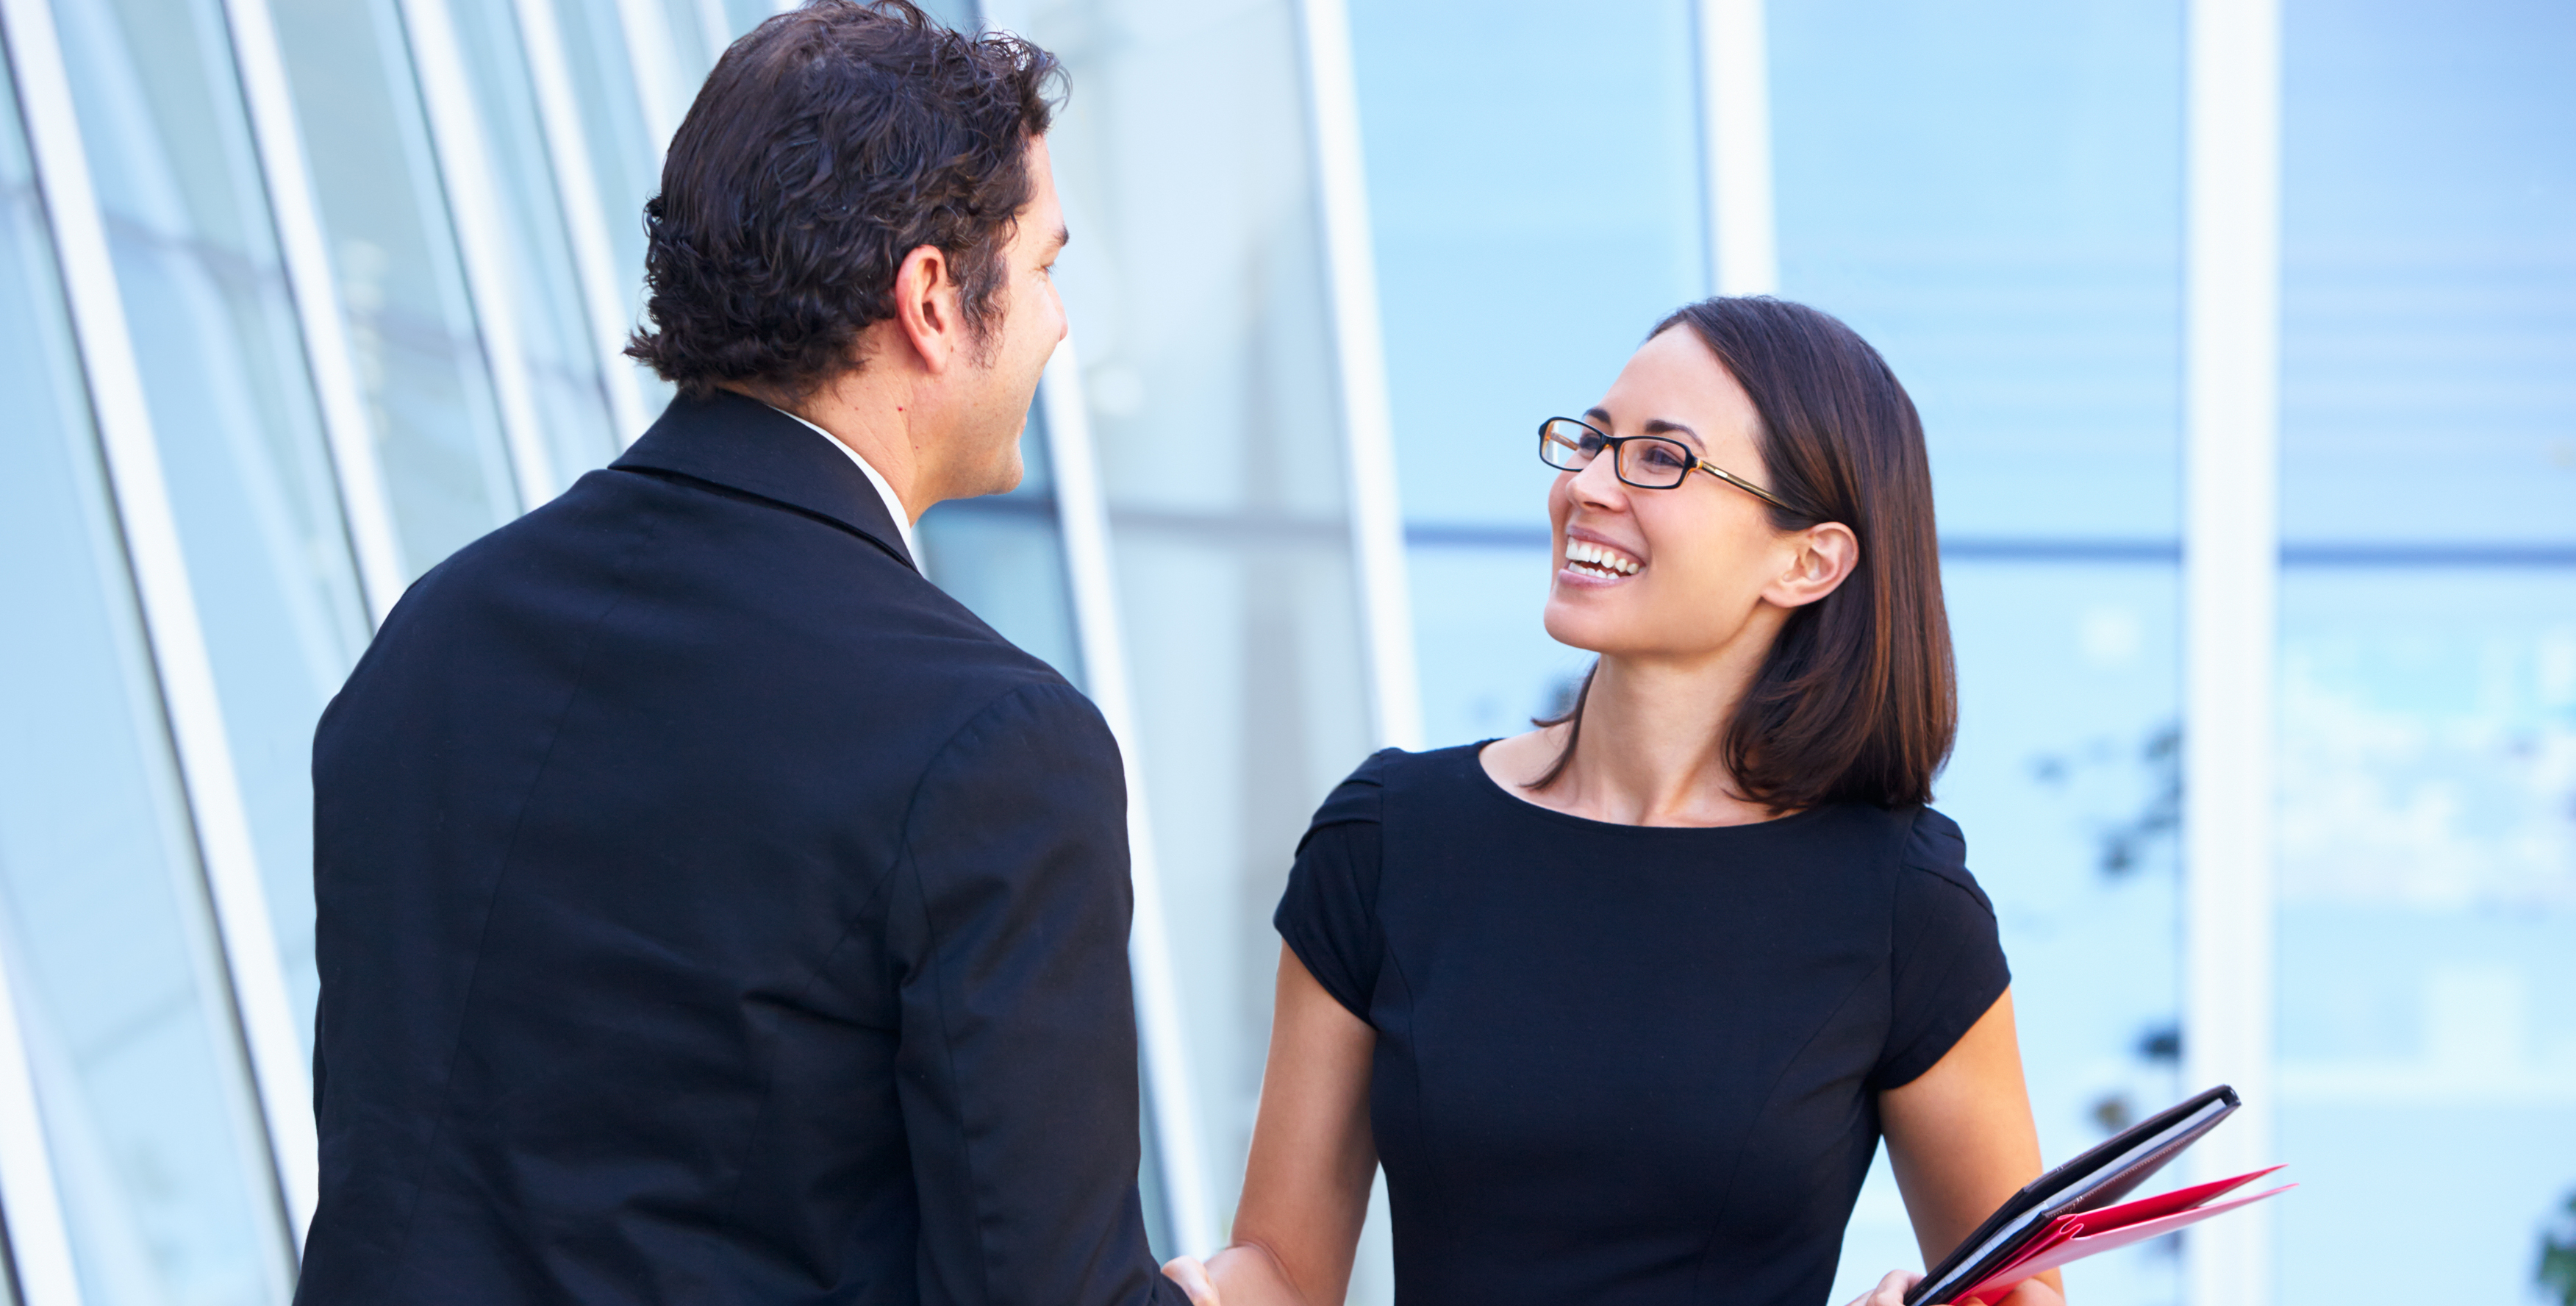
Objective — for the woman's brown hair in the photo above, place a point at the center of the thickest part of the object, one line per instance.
(1858, 700)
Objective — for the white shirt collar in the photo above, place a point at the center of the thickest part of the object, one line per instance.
(894, 506)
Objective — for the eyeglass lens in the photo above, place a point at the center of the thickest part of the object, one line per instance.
(1644, 461)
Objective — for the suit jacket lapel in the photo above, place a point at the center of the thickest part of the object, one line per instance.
(743, 444)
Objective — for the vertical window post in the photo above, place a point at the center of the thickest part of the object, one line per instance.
(1735, 132)
(2231, 570)
(1082, 515)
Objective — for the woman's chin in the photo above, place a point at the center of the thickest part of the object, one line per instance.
(1576, 622)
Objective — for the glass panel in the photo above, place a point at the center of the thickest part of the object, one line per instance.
(1196, 288)
(562, 366)
(2427, 908)
(2428, 273)
(2067, 783)
(103, 921)
(1993, 196)
(224, 375)
(394, 255)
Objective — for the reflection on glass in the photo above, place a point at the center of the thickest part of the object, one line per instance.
(2428, 274)
(223, 371)
(1993, 197)
(429, 394)
(2427, 927)
(1195, 282)
(103, 923)
(563, 369)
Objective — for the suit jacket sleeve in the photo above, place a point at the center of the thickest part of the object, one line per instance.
(1017, 1063)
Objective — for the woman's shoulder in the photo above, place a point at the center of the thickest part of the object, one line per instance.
(1934, 856)
(1361, 797)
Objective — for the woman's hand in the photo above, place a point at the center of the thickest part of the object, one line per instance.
(1892, 1289)
(1193, 1278)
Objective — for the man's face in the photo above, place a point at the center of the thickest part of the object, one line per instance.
(999, 385)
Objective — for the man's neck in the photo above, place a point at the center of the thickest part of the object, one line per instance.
(874, 425)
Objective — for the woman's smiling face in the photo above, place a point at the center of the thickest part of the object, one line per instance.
(1671, 574)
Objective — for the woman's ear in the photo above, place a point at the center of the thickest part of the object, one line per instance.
(1825, 556)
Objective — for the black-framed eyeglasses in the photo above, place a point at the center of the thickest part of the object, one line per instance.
(1649, 462)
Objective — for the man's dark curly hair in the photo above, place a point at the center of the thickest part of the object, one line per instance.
(828, 144)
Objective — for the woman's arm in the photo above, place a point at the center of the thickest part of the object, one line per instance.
(1306, 1187)
(1960, 1139)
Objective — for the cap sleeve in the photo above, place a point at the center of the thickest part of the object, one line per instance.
(1328, 916)
(1948, 963)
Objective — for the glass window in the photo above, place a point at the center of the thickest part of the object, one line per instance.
(2427, 908)
(625, 160)
(1535, 203)
(1534, 212)
(1993, 197)
(1196, 287)
(393, 251)
(2427, 889)
(2428, 267)
(2067, 782)
(148, 1109)
(624, 157)
(224, 377)
(563, 367)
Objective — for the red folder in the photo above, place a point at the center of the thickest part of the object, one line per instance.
(2076, 1236)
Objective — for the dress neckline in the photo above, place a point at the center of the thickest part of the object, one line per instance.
(1474, 756)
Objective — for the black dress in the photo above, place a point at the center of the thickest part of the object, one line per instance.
(1627, 1064)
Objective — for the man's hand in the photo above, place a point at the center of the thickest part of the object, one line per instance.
(1193, 1278)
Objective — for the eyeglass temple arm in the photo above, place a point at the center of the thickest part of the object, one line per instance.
(1742, 484)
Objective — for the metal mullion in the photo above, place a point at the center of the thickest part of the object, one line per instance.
(585, 216)
(31, 1205)
(2230, 583)
(474, 211)
(190, 706)
(1082, 514)
(1735, 138)
(365, 506)
(1359, 351)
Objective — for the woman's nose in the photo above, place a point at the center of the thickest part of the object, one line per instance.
(1598, 484)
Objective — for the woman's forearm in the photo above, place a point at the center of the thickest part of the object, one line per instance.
(1246, 1274)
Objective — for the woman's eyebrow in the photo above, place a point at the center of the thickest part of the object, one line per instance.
(1659, 426)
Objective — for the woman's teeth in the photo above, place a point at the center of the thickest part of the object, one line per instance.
(1598, 560)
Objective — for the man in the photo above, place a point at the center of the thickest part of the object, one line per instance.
(711, 910)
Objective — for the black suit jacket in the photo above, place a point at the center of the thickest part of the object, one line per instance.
(713, 911)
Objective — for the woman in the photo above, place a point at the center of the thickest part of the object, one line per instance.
(1624, 1004)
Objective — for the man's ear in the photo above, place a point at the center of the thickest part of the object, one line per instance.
(926, 308)
(1825, 557)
